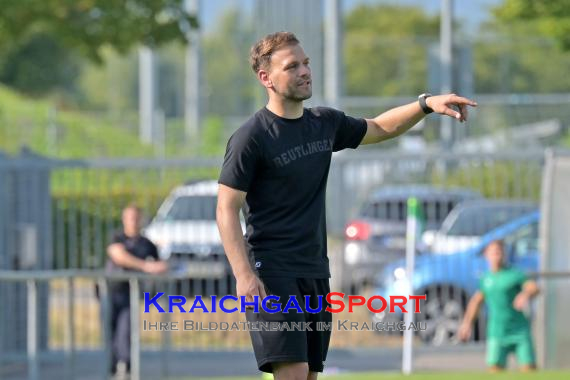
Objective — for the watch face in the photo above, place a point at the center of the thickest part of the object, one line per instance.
(423, 104)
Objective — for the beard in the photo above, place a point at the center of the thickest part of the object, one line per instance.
(297, 93)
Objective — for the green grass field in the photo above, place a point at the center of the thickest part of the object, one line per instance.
(65, 133)
(512, 375)
(51, 129)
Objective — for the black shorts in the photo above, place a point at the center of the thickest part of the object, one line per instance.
(296, 344)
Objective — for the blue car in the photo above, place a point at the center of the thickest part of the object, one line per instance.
(450, 280)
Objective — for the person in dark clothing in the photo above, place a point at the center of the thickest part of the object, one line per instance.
(128, 251)
(276, 165)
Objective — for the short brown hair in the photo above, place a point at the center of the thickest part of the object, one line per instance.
(260, 54)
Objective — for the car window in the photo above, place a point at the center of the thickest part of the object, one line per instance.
(386, 210)
(524, 241)
(435, 212)
(396, 210)
(192, 208)
(477, 221)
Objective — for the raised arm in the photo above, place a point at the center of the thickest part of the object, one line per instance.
(470, 314)
(398, 120)
(230, 201)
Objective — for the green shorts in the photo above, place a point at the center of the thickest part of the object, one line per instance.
(498, 350)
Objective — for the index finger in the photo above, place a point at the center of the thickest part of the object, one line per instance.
(462, 100)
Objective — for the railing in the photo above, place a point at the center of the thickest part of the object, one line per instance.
(32, 279)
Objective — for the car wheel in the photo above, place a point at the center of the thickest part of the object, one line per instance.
(442, 313)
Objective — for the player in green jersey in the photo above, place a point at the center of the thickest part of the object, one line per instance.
(507, 292)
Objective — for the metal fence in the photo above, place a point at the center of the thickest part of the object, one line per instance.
(355, 175)
(61, 215)
(169, 345)
(77, 324)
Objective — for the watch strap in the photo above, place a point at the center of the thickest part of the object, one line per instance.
(422, 100)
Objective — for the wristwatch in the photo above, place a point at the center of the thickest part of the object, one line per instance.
(422, 100)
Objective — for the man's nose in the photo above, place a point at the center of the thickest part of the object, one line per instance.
(305, 71)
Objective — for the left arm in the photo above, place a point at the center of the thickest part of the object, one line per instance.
(529, 291)
(398, 120)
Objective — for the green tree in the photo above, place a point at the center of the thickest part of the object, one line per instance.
(113, 86)
(512, 62)
(86, 26)
(110, 87)
(551, 17)
(385, 49)
(42, 41)
(38, 65)
(508, 57)
(230, 84)
(515, 55)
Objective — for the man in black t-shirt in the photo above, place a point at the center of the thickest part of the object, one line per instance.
(276, 167)
(128, 251)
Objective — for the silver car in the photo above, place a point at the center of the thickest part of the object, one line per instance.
(186, 233)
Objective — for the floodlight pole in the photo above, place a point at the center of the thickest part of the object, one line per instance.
(147, 94)
(446, 61)
(192, 116)
(333, 53)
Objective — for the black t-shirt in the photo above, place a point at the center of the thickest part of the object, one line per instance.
(283, 165)
(138, 246)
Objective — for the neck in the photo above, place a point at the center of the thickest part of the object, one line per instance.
(131, 233)
(496, 269)
(285, 108)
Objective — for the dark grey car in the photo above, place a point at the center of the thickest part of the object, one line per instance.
(378, 234)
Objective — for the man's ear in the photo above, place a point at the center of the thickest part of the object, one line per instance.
(263, 77)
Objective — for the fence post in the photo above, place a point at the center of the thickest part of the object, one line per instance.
(105, 326)
(166, 335)
(32, 330)
(69, 330)
(338, 216)
(413, 231)
(135, 328)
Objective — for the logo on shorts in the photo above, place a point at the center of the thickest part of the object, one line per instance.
(258, 264)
